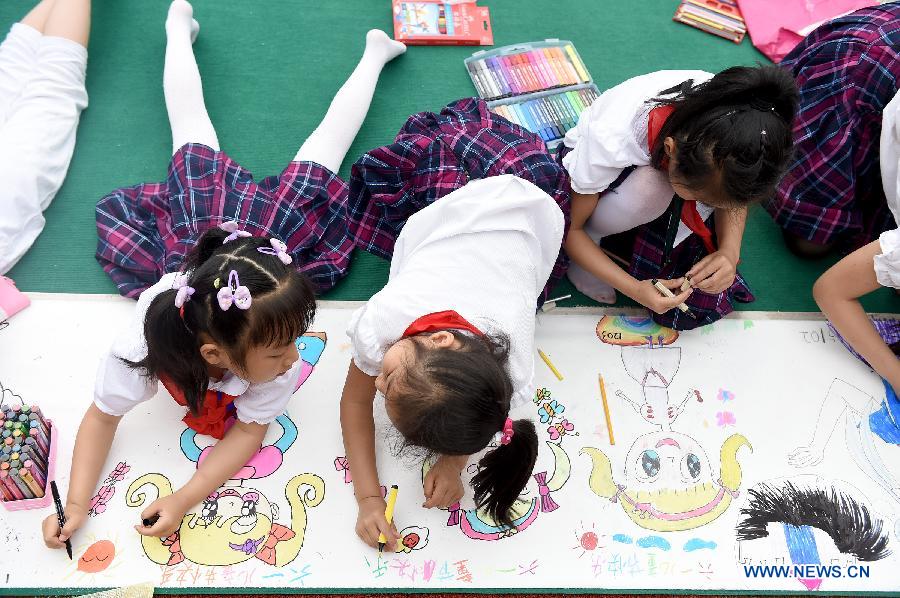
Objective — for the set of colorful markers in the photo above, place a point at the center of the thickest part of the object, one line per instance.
(527, 71)
(24, 452)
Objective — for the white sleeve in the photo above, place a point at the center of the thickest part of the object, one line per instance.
(887, 265)
(603, 144)
(367, 349)
(262, 403)
(118, 387)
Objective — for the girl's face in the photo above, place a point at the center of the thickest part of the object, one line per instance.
(264, 364)
(401, 355)
(709, 195)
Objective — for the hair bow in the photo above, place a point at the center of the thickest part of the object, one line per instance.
(278, 249)
(184, 291)
(234, 293)
(232, 227)
(507, 434)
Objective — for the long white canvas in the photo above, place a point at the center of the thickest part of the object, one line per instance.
(706, 425)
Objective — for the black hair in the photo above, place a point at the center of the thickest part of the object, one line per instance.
(738, 123)
(849, 523)
(453, 403)
(282, 309)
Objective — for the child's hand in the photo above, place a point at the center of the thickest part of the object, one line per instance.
(714, 273)
(170, 510)
(75, 518)
(371, 523)
(650, 297)
(442, 484)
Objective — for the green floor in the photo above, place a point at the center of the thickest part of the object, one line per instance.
(270, 68)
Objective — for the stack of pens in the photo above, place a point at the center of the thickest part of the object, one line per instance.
(24, 452)
(541, 86)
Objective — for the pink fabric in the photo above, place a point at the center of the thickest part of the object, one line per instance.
(776, 26)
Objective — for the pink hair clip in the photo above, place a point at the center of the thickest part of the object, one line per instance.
(232, 227)
(184, 291)
(278, 249)
(507, 434)
(234, 294)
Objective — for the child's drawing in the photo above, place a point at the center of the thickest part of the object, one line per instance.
(264, 463)
(653, 368)
(807, 520)
(669, 483)
(478, 525)
(233, 524)
(871, 431)
(634, 331)
(412, 538)
(107, 489)
(550, 412)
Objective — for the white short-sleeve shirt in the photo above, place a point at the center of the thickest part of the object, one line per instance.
(486, 251)
(118, 387)
(887, 265)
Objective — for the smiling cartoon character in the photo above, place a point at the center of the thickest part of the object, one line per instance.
(669, 483)
(233, 524)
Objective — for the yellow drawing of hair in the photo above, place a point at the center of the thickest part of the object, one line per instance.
(153, 547)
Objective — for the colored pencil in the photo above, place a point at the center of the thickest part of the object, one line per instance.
(612, 438)
(550, 365)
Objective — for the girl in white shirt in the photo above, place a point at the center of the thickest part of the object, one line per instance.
(662, 154)
(449, 343)
(220, 336)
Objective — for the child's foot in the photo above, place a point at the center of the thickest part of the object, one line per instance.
(378, 42)
(181, 19)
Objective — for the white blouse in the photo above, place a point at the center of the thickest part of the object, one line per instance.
(119, 388)
(485, 251)
(887, 265)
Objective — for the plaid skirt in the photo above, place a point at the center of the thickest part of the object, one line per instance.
(147, 230)
(435, 154)
(847, 71)
(649, 260)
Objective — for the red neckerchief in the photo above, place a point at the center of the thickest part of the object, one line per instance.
(689, 214)
(213, 412)
(441, 320)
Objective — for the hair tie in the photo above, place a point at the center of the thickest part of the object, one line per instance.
(507, 434)
(278, 249)
(184, 292)
(234, 294)
(232, 227)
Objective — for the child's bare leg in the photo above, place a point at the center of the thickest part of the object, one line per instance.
(37, 17)
(182, 86)
(331, 140)
(69, 19)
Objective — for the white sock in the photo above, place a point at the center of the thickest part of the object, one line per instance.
(329, 143)
(181, 81)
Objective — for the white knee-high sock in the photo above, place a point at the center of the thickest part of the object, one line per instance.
(331, 140)
(181, 81)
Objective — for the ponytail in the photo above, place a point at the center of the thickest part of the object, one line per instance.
(173, 349)
(504, 472)
(739, 122)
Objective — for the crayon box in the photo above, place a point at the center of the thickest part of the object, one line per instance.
(436, 23)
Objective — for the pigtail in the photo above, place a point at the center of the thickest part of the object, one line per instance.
(504, 472)
(172, 349)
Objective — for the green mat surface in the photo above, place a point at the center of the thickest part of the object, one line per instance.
(269, 70)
